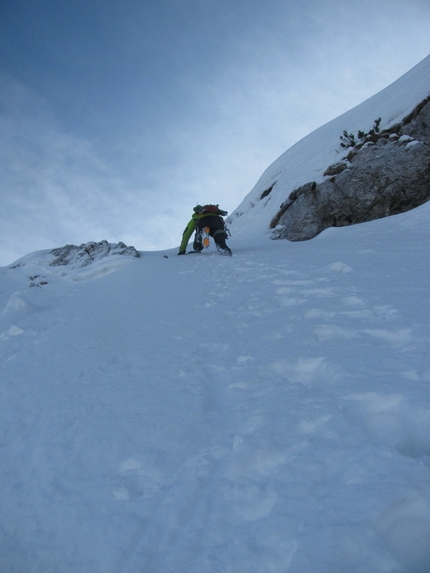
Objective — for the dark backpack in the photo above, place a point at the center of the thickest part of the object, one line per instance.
(211, 209)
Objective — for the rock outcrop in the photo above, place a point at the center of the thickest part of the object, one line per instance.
(385, 174)
(87, 253)
(76, 263)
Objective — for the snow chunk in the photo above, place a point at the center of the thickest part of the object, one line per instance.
(13, 331)
(340, 268)
(406, 528)
(17, 304)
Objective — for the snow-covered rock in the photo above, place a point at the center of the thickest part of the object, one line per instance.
(380, 177)
(89, 260)
(87, 253)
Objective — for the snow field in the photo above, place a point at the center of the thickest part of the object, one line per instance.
(265, 412)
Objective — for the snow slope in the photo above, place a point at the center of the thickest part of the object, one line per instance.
(265, 412)
(268, 412)
(308, 159)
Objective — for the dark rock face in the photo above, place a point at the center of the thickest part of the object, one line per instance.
(384, 175)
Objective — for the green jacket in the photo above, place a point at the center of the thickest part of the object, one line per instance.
(190, 228)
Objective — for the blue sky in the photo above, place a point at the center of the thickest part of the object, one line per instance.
(118, 117)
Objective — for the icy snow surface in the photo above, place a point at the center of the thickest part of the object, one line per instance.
(198, 414)
(264, 413)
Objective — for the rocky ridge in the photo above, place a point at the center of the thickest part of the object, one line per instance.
(71, 259)
(87, 253)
